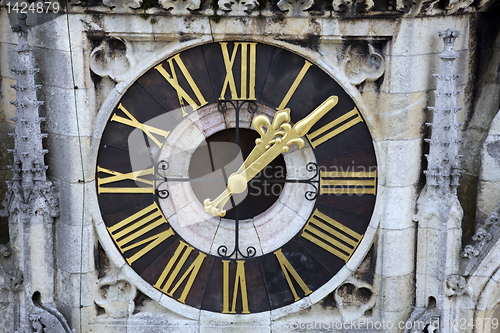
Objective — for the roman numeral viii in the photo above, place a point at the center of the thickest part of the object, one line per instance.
(174, 82)
(335, 127)
(127, 232)
(247, 75)
(331, 235)
(339, 182)
(172, 271)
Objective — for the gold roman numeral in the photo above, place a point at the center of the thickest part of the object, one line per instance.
(347, 182)
(335, 127)
(190, 273)
(239, 284)
(248, 59)
(181, 93)
(287, 268)
(117, 176)
(294, 86)
(331, 235)
(150, 131)
(126, 232)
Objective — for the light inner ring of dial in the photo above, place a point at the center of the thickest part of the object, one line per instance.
(267, 231)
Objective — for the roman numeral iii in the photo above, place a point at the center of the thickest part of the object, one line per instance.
(335, 127)
(247, 75)
(127, 232)
(340, 182)
(331, 235)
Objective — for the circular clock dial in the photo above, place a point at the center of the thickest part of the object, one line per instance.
(236, 177)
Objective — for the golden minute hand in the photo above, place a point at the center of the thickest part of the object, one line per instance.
(275, 138)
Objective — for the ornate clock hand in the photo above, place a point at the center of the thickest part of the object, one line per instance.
(274, 139)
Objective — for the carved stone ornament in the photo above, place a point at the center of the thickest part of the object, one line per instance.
(351, 8)
(43, 322)
(112, 58)
(295, 7)
(354, 298)
(482, 241)
(362, 62)
(238, 7)
(456, 285)
(180, 7)
(122, 4)
(116, 296)
(424, 321)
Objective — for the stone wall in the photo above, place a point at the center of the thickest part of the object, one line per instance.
(89, 58)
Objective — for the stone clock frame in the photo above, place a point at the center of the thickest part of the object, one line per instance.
(192, 313)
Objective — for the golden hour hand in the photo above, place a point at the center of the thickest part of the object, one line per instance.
(275, 138)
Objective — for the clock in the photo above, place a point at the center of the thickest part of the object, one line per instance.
(235, 178)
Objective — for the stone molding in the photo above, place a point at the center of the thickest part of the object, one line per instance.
(294, 8)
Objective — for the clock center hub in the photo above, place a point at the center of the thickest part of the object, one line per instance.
(237, 183)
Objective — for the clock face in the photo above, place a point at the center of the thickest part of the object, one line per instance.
(236, 177)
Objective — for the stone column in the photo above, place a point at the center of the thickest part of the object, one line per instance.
(31, 202)
(439, 213)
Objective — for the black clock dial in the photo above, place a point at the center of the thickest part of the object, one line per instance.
(175, 104)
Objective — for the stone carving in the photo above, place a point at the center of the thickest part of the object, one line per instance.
(112, 58)
(443, 160)
(482, 241)
(432, 7)
(238, 7)
(180, 7)
(116, 296)
(351, 8)
(362, 63)
(426, 321)
(470, 252)
(354, 298)
(295, 7)
(456, 285)
(46, 318)
(45, 322)
(456, 5)
(122, 4)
